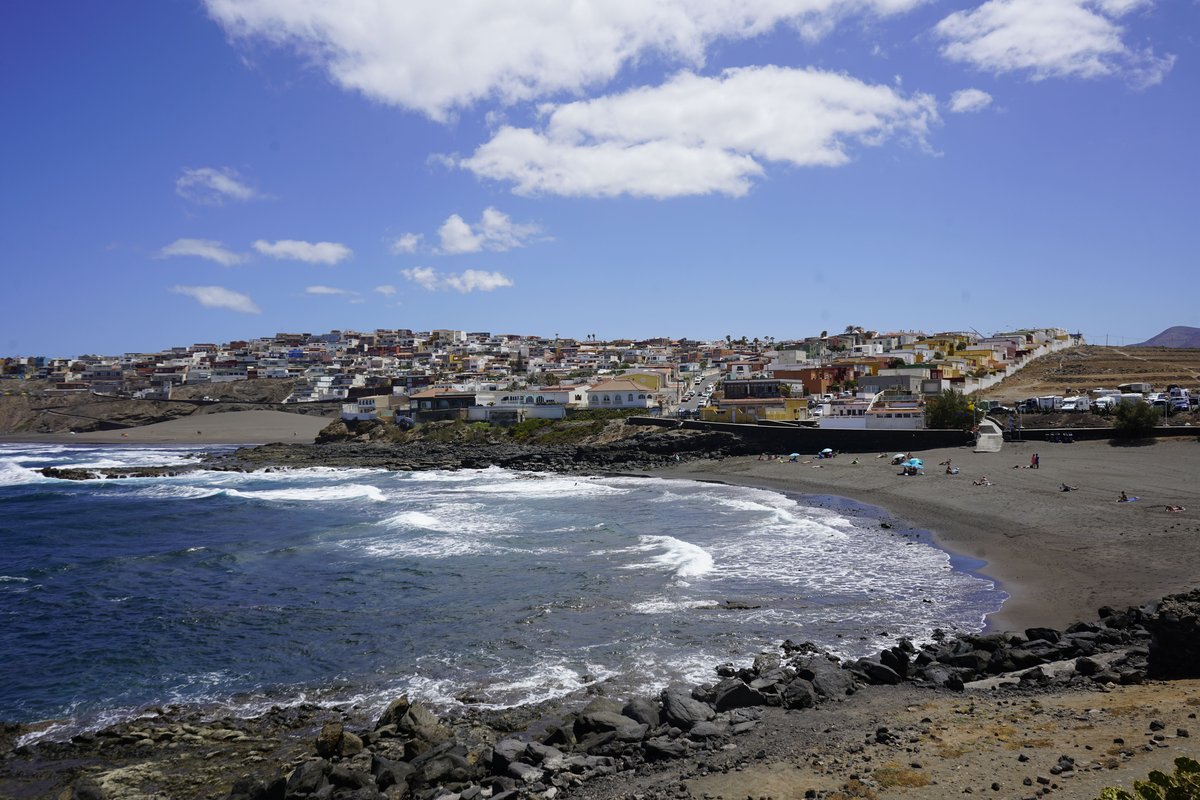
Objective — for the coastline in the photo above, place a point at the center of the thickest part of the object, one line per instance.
(230, 427)
(1088, 549)
(1060, 556)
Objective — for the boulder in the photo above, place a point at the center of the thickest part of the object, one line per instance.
(394, 712)
(827, 677)
(1045, 634)
(732, 693)
(307, 778)
(663, 747)
(714, 729)
(421, 723)
(329, 740)
(876, 672)
(244, 788)
(505, 752)
(680, 708)
(643, 710)
(390, 773)
(799, 693)
(1175, 631)
(87, 789)
(626, 729)
(346, 777)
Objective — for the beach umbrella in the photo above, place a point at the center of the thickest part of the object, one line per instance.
(794, 455)
(827, 450)
(915, 462)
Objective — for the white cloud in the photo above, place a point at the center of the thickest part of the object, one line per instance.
(967, 100)
(407, 243)
(327, 290)
(425, 277)
(219, 297)
(309, 252)
(213, 187)
(470, 280)
(495, 231)
(698, 135)
(1050, 39)
(477, 280)
(387, 290)
(435, 57)
(457, 236)
(202, 248)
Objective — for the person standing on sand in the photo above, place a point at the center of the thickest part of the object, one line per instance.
(1034, 461)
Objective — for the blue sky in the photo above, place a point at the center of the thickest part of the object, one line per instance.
(179, 171)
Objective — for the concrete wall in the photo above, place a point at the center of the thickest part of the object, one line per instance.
(788, 439)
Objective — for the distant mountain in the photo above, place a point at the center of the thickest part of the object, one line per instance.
(1178, 336)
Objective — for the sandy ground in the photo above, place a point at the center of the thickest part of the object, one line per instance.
(234, 427)
(940, 744)
(1060, 555)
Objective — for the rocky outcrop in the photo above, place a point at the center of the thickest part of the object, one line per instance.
(643, 451)
(409, 752)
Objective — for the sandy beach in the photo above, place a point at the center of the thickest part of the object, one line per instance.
(1060, 555)
(233, 427)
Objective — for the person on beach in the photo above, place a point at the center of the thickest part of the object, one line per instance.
(983, 481)
(1034, 460)
(1176, 508)
(1066, 488)
(1123, 498)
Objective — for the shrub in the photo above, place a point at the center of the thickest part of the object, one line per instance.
(1182, 784)
(1133, 419)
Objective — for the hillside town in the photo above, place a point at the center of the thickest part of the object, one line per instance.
(855, 378)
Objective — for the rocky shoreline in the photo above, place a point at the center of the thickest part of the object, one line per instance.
(541, 752)
(646, 449)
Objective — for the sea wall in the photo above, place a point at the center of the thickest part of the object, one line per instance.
(780, 439)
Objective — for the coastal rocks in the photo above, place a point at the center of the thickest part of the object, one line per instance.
(1174, 650)
(680, 708)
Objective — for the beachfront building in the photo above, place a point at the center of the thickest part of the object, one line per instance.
(440, 403)
(754, 400)
(620, 393)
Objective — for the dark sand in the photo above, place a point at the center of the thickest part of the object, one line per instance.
(232, 427)
(1060, 555)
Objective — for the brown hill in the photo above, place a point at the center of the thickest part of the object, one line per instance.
(1176, 336)
(1080, 369)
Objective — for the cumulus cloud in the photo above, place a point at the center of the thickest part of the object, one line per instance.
(425, 277)
(495, 231)
(406, 243)
(513, 50)
(967, 100)
(1051, 39)
(476, 280)
(387, 290)
(326, 290)
(211, 186)
(202, 248)
(309, 252)
(699, 135)
(471, 280)
(219, 297)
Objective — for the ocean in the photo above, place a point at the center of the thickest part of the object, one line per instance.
(484, 588)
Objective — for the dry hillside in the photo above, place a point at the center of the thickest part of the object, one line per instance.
(1079, 369)
(27, 407)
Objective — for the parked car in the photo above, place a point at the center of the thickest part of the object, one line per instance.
(1001, 410)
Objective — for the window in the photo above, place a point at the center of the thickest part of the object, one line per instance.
(630, 397)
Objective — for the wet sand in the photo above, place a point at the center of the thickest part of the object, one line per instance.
(231, 427)
(1060, 555)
